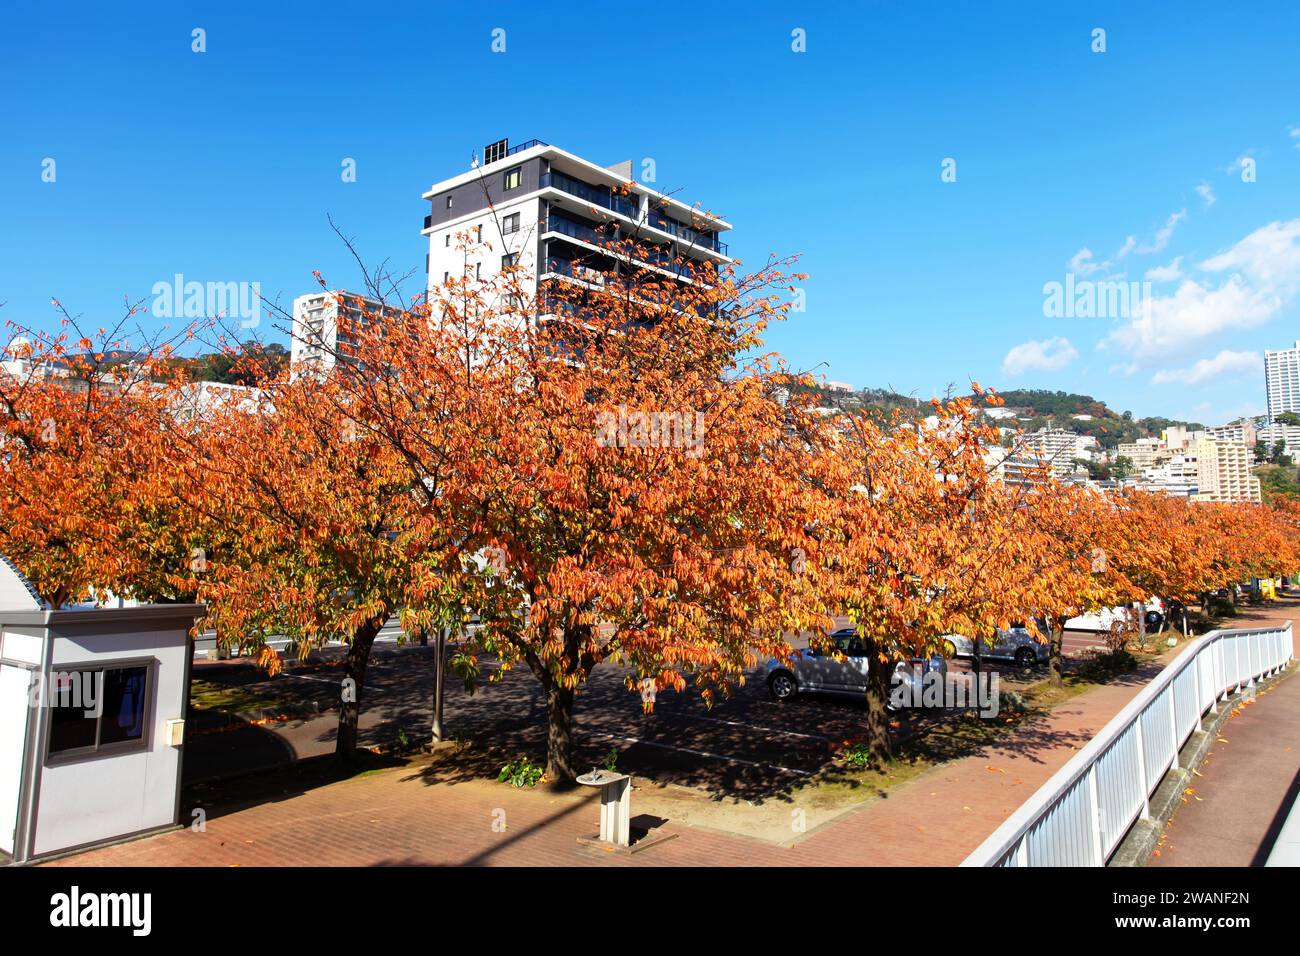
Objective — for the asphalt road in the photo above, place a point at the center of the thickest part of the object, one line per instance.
(748, 742)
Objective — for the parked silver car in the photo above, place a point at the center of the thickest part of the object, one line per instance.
(1014, 644)
(814, 671)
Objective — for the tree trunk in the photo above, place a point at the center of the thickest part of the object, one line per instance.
(559, 739)
(354, 681)
(878, 688)
(439, 681)
(1055, 655)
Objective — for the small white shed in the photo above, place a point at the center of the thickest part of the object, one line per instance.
(92, 716)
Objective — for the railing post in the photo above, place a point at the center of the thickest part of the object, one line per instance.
(1196, 673)
(1216, 673)
(1142, 769)
(1096, 816)
(1173, 725)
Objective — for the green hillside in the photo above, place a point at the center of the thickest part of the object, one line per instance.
(1034, 409)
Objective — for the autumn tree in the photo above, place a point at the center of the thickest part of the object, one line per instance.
(929, 541)
(83, 421)
(626, 471)
(310, 527)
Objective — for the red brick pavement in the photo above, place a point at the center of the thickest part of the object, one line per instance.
(398, 817)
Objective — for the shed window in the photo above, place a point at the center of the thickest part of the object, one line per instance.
(94, 709)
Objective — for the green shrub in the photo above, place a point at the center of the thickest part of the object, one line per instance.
(1009, 702)
(611, 760)
(1105, 666)
(859, 755)
(520, 772)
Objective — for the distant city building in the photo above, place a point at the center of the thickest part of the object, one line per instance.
(1013, 466)
(839, 387)
(1201, 467)
(1061, 448)
(321, 324)
(1288, 435)
(1177, 475)
(1143, 453)
(1282, 380)
(1242, 431)
(200, 399)
(1233, 479)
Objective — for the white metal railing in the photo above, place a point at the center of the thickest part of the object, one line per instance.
(1080, 815)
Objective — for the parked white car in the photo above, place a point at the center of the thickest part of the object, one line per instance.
(1154, 615)
(1014, 644)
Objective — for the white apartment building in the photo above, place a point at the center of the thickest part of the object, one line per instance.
(1012, 466)
(1177, 475)
(1282, 380)
(317, 320)
(1060, 448)
(551, 214)
(1242, 430)
(199, 400)
(541, 209)
(1289, 435)
(1143, 453)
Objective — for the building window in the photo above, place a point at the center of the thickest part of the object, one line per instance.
(514, 177)
(509, 260)
(446, 277)
(510, 224)
(448, 202)
(478, 270)
(478, 232)
(96, 709)
(446, 240)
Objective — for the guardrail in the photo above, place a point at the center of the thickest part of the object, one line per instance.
(1083, 812)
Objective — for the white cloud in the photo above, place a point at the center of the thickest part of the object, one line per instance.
(1166, 273)
(1206, 192)
(1236, 165)
(1083, 263)
(1164, 233)
(1269, 256)
(1295, 134)
(1227, 364)
(1256, 278)
(1047, 355)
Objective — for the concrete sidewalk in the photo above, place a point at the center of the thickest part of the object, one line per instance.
(401, 816)
(1245, 789)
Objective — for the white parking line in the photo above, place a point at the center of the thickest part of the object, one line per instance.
(739, 723)
(846, 714)
(705, 753)
(323, 680)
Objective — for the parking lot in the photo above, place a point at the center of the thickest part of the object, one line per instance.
(748, 744)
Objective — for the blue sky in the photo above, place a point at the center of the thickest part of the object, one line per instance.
(223, 165)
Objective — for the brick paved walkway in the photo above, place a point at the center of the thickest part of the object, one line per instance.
(1245, 787)
(398, 817)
